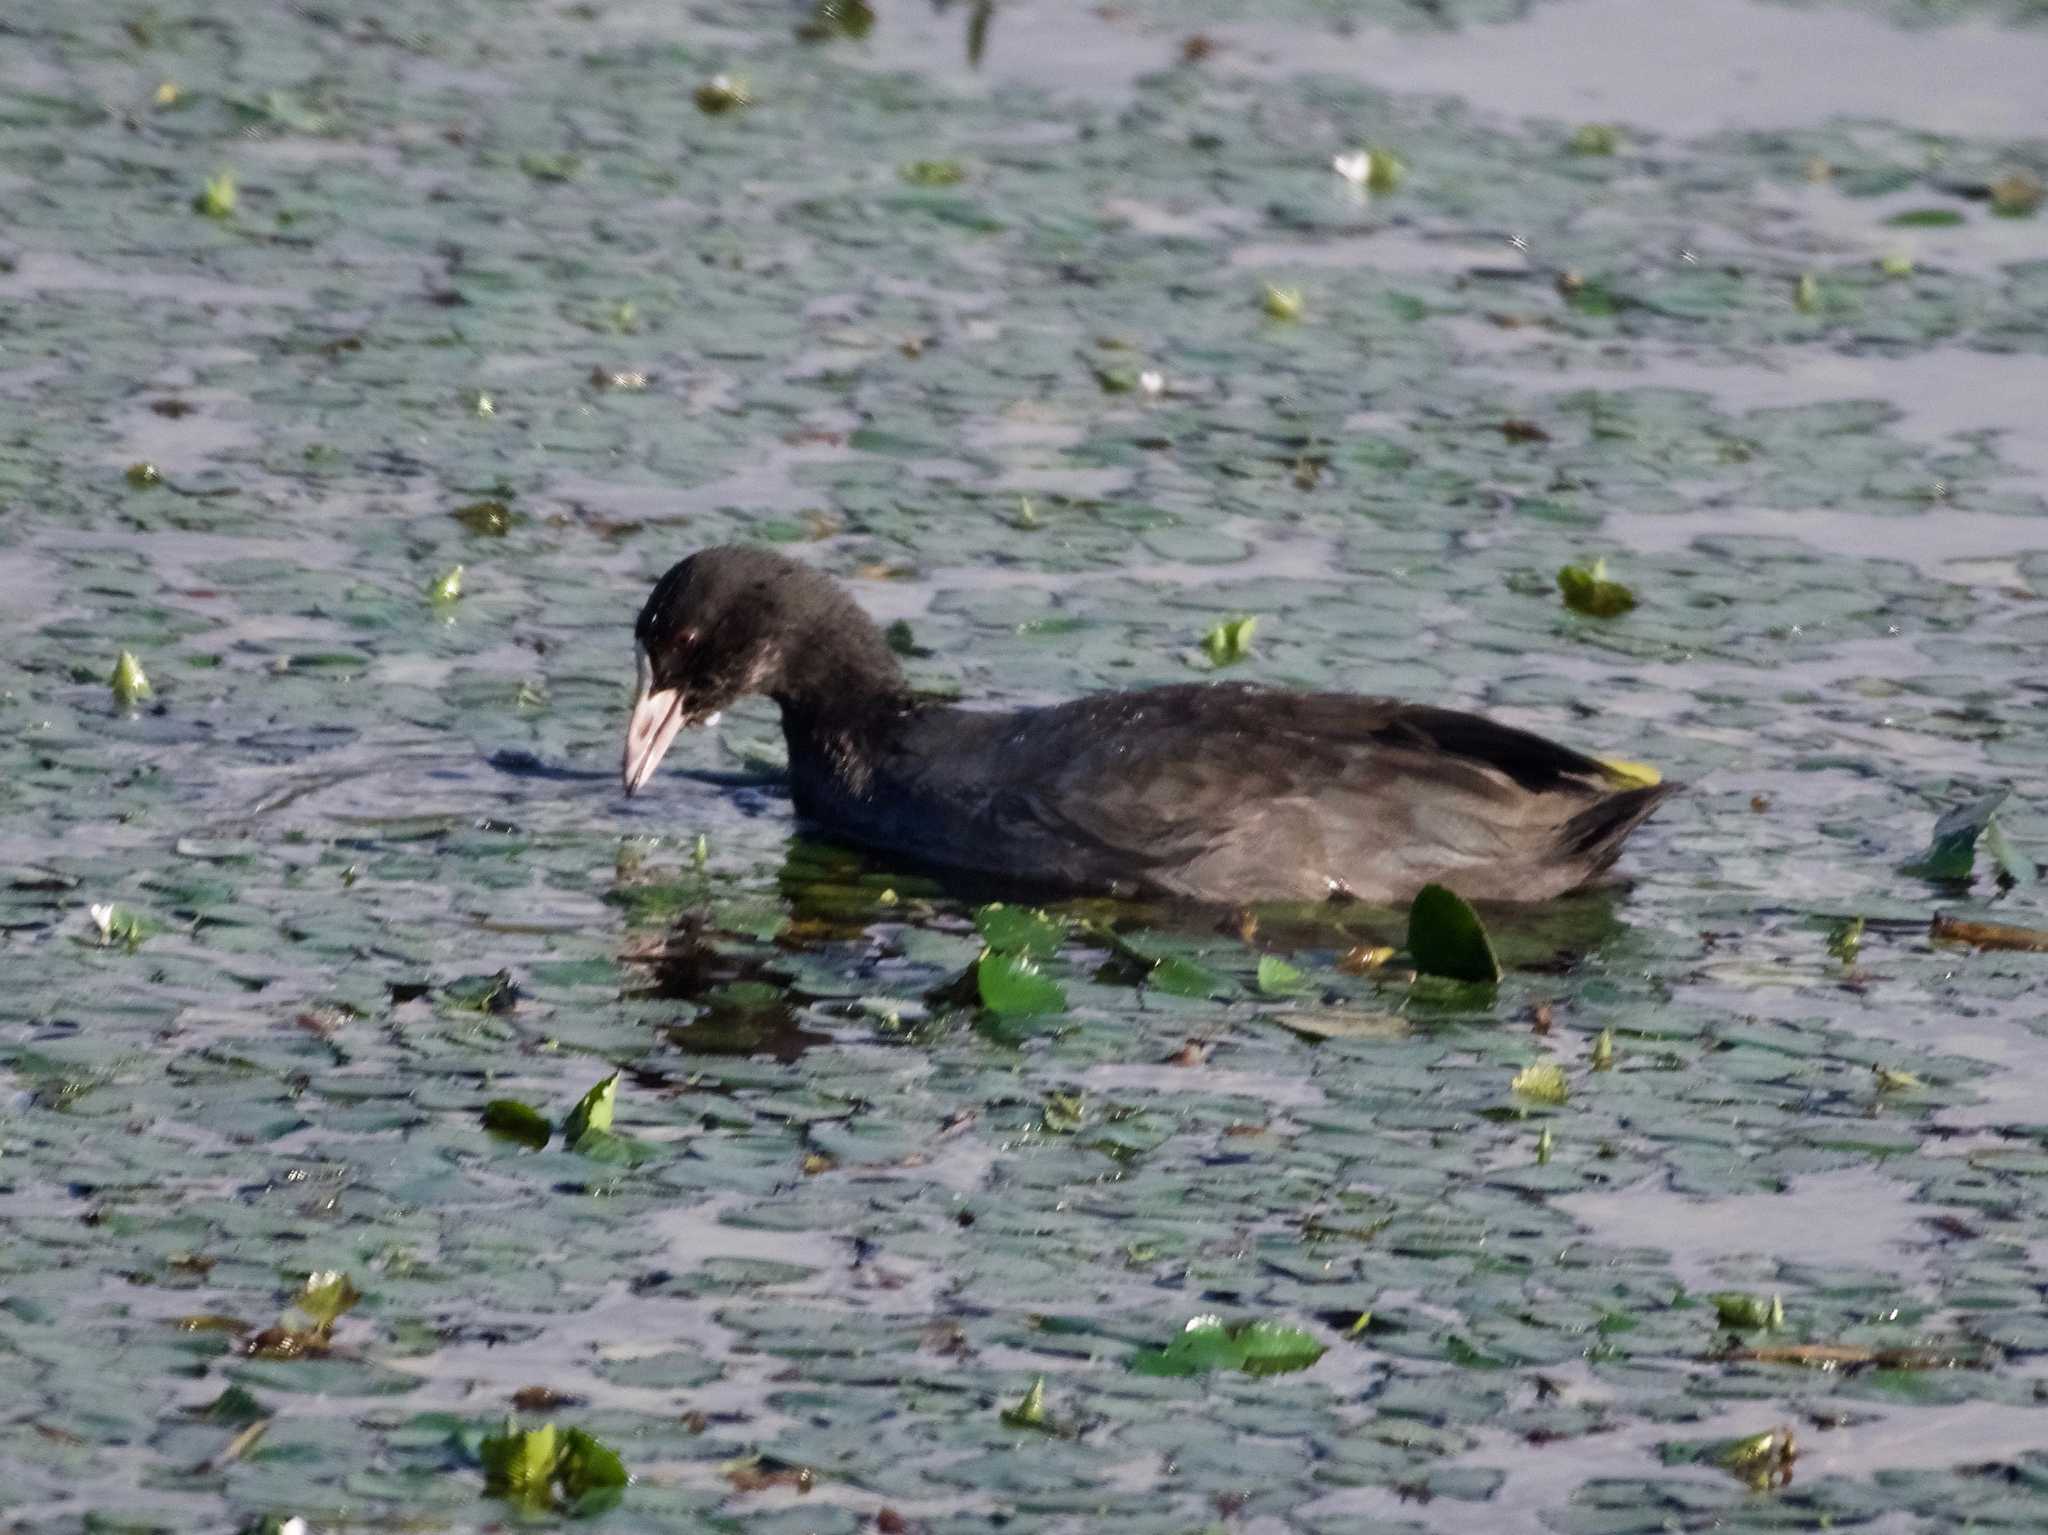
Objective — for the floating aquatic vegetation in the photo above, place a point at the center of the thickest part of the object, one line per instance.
(447, 586)
(1030, 1411)
(2016, 194)
(1763, 1461)
(551, 1469)
(1587, 590)
(217, 197)
(1020, 930)
(593, 1112)
(830, 19)
(721, 94)
(1744, 1312)
(1208, 1343)
(1845, 939)
(1541, 1082)
(1376, 170)
(1951, 857)
(933, 173)
(1447, 939)
(489, 517)
(144, 475)
(321, 1301)
(517, 1121)
(1277, 978)
(128, 680)
(1229, 640)
(1014, 986)
(1281, 303)
(1594, 139)
(551, 167)
(117, 925)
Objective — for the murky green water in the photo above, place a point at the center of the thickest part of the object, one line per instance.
(495, 253)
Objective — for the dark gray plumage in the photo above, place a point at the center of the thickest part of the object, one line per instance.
(1216, 792)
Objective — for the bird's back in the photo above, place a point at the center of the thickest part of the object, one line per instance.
(1234, 793)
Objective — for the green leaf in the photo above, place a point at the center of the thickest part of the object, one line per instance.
(2016, 871)
(1845, 938)
(933, 173)
(492, 519)
(1587, 590)
(611, 1149)
(1277, 978)
(236, 1407)
(1207, 1344)
(1925, 218)
(216, 198)
(721, 94)
(1179, 977)
(2016, 194)
(977, 31)
(519, 1464)
(1030, 1411)
(517, 1121)
(1281, 303)
(556, 167)
(129, 681)
(326, 1296)
(593, 1111)
(853, 19)
(1020, 930)
(587, 1465)
(1748, 1313)
(1012, 986)
(1952, 855)
(1594, 139)
(1446, 938)
(1230, 641)
(1542, 1082)
(447, 586)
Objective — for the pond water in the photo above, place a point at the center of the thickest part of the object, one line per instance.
(488, 288)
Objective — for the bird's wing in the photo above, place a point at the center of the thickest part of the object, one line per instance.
(1291, 789)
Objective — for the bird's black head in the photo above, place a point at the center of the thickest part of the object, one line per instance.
(732, 621)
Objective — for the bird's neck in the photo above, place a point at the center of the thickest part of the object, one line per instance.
(840, 696)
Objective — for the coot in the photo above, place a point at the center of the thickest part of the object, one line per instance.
(1213, 792)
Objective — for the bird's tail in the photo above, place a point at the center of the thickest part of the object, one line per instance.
(1596, 833)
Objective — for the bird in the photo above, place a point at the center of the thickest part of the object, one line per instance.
(1218, 793)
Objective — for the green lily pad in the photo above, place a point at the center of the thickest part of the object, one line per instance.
(1952, 855)
(517, 1121)
(1229, 641)
(1277, 978)
(1208, 1343)
(1446, 938)
(593, 1111)
(1020, 930)
(1179, 976)
(1013, 986)
(1587, 590)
